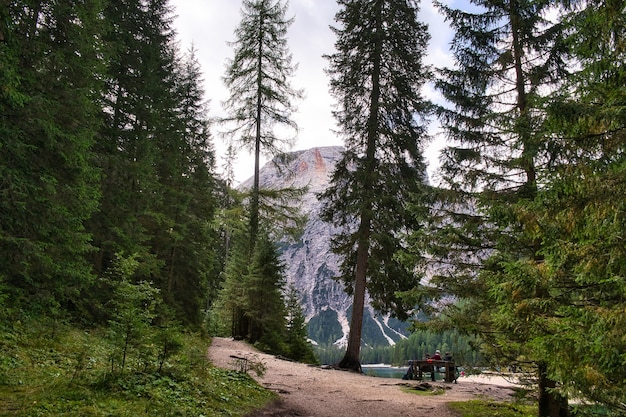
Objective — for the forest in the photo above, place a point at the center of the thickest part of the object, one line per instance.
(119, 239)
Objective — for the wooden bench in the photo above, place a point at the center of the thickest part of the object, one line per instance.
(417, 369)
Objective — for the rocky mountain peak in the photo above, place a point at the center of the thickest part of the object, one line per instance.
(310, 264)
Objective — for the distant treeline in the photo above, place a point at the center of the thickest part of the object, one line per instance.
(464, 349)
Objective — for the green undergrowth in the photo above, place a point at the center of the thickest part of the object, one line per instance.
(58, 370)
(522, 406)
(485, 408)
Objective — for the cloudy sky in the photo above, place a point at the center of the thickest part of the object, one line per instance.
(209, 25)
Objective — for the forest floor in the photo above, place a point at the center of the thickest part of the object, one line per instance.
(313, 391)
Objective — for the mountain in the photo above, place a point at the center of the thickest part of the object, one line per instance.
(310, 264)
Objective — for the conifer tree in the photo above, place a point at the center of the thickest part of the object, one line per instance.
(298, 347)
(508, 56)
(581, 214)
(252, 298)
(49, 79)
(136, 100)
(157, 156)
(261, 95)
(232, 296)
(376, 76)
(184, 238)
(264, 304)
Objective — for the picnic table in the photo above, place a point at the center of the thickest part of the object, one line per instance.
(417, 369)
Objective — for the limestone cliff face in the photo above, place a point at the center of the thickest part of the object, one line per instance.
(310, 264)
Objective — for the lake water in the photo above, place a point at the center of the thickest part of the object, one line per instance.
(384, 371)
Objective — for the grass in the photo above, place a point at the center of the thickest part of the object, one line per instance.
(484, 408)
(424, 392)
(68, 373)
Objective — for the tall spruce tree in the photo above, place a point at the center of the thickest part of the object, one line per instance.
(49, 76)
(184, 238)
(508, 56)
(261, 98)
(376, 76)
(157, 159)
(135, 102)
(251, 299)
(298, 347)
(261, 95)
(581, 214)
(264, 303)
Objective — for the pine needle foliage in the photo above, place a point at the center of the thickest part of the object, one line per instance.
(261, 96)
(376, 76)
(535, 118)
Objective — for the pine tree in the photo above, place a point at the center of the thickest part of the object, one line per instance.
(580, 214)
(184, 238)
(298, 347)
(136, 100)
(264, 305)
(252, 298)
(508, 58)
(376, 76)
(49, 75)
(157, 157)
(261, 96)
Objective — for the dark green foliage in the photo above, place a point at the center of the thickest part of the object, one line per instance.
(132, 314)
(156, 153)
(137, 103)
(324, 327)
(464, 349)
(107, 203)
(232, 296)
(376, 76)
(255, 303)
(298, 348)
(507, 54)
(260, 99)
(49, 72)
(580, 216)
(105, 151)
(260, 70)
(184, 238)
(68, 374)
(264, 304)
(251, 292)
(328, 353)
(536, 116)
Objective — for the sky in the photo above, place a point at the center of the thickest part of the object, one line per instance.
(209, 26)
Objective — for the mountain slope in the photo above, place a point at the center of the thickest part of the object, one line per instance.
(310, 264)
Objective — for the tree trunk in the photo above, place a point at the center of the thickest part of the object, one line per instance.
(254, 209)
(351, 359)
(551, 403)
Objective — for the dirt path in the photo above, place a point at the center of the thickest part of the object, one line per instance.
(309, 391)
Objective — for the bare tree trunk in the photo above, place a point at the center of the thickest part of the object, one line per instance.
(551, 403)
(254, 209)
(351, 359)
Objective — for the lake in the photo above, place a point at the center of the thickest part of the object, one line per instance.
(384, 371)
